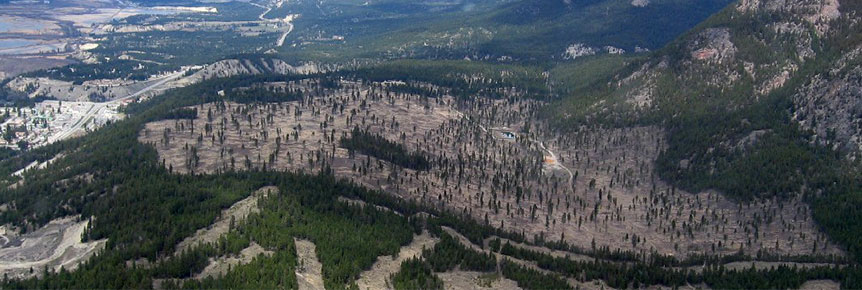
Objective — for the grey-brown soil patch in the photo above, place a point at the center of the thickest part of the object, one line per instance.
(385, 266)
(820, 285)
(475, 280)
(221, 265)
(613, 197)
(361, 203)
(237, 212)
(56, 245)
(309, 270)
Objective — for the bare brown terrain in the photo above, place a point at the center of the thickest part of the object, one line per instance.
(475, 280)
(591, 187)
(309, 272)
(56, 245)
(377, 277)
(236, 213)
(221, 265)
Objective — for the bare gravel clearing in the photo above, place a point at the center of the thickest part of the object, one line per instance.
(309, 270)
(56, 245)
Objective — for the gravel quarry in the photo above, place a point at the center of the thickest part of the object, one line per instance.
(56, 245)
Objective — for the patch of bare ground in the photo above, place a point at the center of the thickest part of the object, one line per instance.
(159, 283)
(236, 213)
(761, 265)
(661, 287)
(528, 264)
(453, 280)
(56, 245)
(626, 203)
(362, 203)
(588, 186)
(820, 285)
(309, 270)
(463, 240)
(221, 265)
(553, 253)
(139, 263)
(37, 165)
(378, 276)
(233, 67)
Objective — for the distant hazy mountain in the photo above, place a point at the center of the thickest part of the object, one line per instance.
(519, 30)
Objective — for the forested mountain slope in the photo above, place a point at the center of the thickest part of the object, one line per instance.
(487, 30)
(724, 159)
(760, 100)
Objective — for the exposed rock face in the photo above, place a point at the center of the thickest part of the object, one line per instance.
(817, 12)
(233, 67)
(713, 44)
(640, 3)
(646, 79)
(831, 103)
(577, 50)
(723, 57)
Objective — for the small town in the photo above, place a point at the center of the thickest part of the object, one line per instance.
(51, 121)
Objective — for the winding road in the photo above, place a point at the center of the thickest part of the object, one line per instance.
(287, 20)
(547, 152)
(553, 157)
(284, 36)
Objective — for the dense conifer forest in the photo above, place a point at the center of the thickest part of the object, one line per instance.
(379, 147)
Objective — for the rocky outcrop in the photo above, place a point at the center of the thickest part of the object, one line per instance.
(742, 61)
(233, 67)
(819, 13)
(713, 44)
(831, 104)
